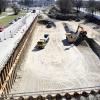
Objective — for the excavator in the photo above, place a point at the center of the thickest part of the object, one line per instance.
(77, 37)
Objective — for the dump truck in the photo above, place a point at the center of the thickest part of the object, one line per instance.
(77, 37)
(42, 42)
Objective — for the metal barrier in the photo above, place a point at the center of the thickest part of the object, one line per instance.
(9, 72)
(10, 31)
(55, 95)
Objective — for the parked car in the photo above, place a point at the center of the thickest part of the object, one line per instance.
(46, 37)
(77, 19)
(33, 11)
(19, 17)
(49, 25)
(15, 19)
(1, 28)
(12, 22)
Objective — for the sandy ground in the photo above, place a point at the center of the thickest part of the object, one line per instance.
(57, 67)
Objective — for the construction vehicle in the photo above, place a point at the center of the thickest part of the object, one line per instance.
(42, 42)
(49, 25)
(33, 11)
(46, 37)
(77, 37)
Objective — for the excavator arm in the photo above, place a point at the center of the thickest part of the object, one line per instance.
(79, 27)
(78, 37)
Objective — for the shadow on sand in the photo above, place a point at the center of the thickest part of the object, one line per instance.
(36, 49)
(72, 45)
(65, 42)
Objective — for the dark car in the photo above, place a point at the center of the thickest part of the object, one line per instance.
(19, 17)
(33, 11)
(12, 22)
(15, 19)
(49, 25)
(77, 19)
(46, 37)
(1, 28)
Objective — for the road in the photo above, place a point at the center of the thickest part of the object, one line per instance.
(56, 66)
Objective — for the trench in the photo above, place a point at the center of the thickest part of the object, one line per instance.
(94, 46)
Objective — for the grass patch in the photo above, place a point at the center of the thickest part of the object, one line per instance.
(5, 21)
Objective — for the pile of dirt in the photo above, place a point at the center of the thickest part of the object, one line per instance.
(44, 22)
(47, 22)
(90, 18)
(60, 16)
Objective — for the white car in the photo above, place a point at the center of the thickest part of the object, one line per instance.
(46, 37)
(12, 22)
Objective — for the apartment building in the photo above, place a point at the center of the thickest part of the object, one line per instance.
(41, 3)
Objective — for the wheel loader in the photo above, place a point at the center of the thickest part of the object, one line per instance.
(77, 37)
(42, 42)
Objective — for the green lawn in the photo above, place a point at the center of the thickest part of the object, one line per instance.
(5, 21)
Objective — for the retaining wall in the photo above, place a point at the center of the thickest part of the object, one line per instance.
(9, 72)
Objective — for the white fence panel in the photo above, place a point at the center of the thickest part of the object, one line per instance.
(10, 31)
(13, 29)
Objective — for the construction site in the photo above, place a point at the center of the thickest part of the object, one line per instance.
(52, 60)
(57, 66)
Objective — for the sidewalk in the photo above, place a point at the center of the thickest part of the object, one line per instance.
(12, 42)
(2, 17)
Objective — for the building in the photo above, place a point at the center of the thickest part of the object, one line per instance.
(10, 2)
(33, 3)
(41, 3)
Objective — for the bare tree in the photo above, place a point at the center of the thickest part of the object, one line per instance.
(3, 4)
(16, 9)
(91, 6)
(21, 2)
(78, 4)
(65, 5)
(97, 6)
(26, 2)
